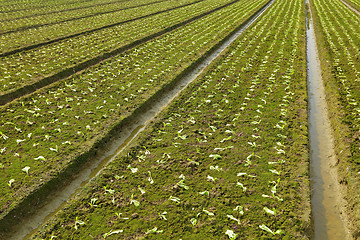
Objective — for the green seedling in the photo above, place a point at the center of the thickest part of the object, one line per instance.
(26, 169)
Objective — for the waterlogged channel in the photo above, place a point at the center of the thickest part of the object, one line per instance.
(58, 199)
(324, 187)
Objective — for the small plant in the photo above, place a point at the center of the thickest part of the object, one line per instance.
(119, 216)
(154, 230)
(150, 179)
(182, 184)
(239, 209)
(135, 202)
(231, 234)
(269, 211)
(133, 170)
(163, 215)
(78, 223)
(204, 193)
(26, 169)
(238, 184)
(93, 201)
(105, 235)
(265, 228)
(215, 156)
(207, 212)
(141, 190)
(174, 199)
(11, 181)
(192, 161)
(233, 218)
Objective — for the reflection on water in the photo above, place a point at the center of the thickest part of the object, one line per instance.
(325, 213)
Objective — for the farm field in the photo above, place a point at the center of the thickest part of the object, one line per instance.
(47, 17)
(68, 114)
(11, 40)
(228, 158)
(58, 60)
(217, 163)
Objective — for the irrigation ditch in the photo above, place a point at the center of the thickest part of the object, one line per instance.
(25, 219)
(326, 200)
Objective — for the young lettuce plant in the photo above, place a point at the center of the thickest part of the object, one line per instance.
(121, 218)
(239, 209)
(233, 218)
(105, 235)
(269, 211)
(231, 234)
(238, 184)
(174, 199)
(78, 223)
(216, 168)
(141, 190)
(150, 179)
(133, 170)
(26, 169)
(40, 158)
(135, 202)
(215, 156)
(182, 184)
(163, 215)
(193, 221)
(265, 228)
(154, 230)
(208, 212)
(205, 193)
(93, 201)
(210, 178)
(11, 181)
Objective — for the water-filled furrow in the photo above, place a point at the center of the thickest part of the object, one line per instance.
(323, 173)
(59, 198)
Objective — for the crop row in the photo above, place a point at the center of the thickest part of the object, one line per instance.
(13, 25)
(44, 132)
(220, 162)
(354, 3)
(340, 42)
(33, 36)
(49, 10)
(33, 65)
(38, 7)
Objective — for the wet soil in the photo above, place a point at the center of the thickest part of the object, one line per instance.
(327, 219)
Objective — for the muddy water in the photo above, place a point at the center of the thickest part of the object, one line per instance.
(59, 199)
(324, 186)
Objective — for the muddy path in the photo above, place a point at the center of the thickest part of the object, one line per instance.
(325, 190)
(56, 200)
